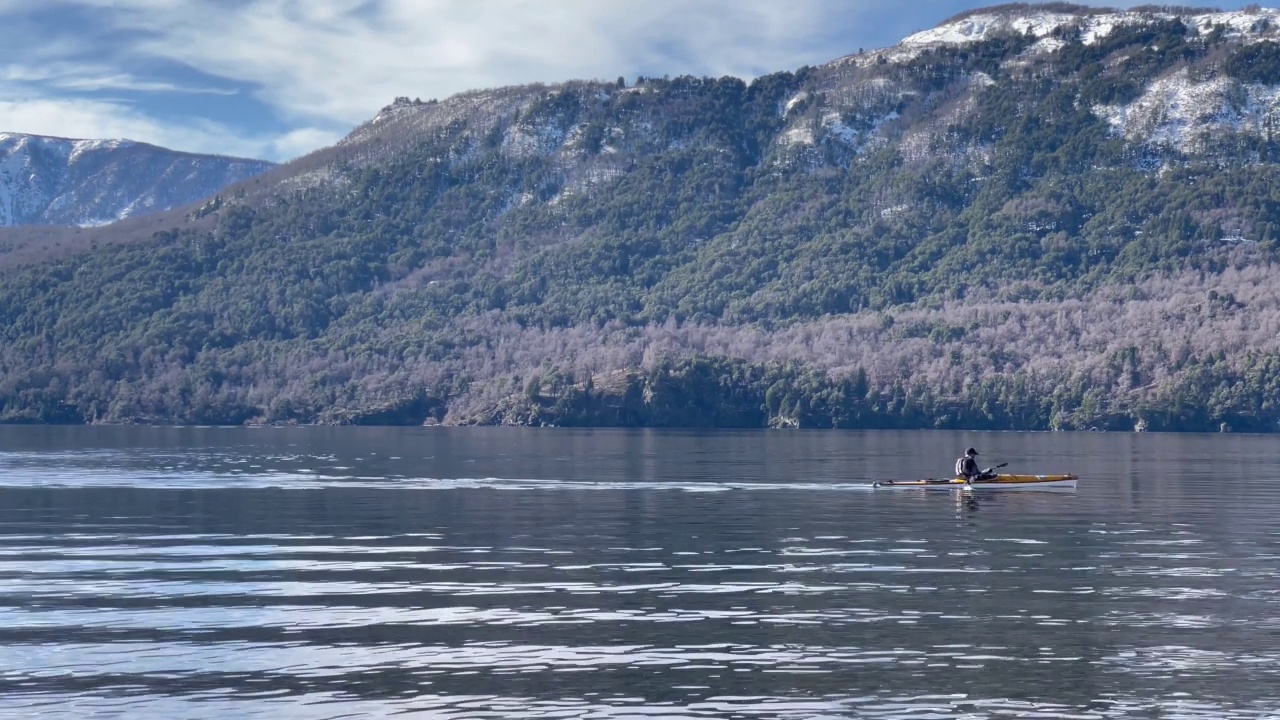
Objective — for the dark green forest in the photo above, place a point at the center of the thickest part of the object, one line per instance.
(979, 244)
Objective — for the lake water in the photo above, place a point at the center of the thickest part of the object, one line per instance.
(162, 573)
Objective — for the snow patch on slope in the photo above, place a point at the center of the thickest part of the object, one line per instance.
(1240, 22)
(530, 139)
(799, 135)
(1179, 113)
(20, 195)
(796, 100)
(1093, 28)
(75, 149)
(58, 181)
(979, 27)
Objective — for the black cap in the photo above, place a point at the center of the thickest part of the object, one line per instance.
(970, 451)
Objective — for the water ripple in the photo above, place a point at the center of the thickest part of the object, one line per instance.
(259, 574)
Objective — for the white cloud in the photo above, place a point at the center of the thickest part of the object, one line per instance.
(92, 78)
(324, 67)
(125, 81)
(87, 119)
(336, 63)
(342, 60)
(300, 141)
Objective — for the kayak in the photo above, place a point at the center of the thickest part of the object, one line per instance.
(999, 482)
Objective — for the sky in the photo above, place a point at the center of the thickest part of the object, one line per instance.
(276, 79)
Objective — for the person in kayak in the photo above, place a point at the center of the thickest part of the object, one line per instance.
(967, 467)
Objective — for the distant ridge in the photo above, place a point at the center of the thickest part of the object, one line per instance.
(84, 183)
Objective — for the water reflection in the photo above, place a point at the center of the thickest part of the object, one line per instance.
(308, 574)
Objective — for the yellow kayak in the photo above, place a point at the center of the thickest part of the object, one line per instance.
(999, 482)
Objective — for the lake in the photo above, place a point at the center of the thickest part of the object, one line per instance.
(311, 573)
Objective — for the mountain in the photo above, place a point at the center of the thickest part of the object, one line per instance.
(1030, 217)
(54, 181)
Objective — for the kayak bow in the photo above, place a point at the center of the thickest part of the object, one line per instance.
(999, 482)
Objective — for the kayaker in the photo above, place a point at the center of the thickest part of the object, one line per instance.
(967, 466)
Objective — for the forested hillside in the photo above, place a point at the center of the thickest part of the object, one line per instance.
(1031, 217)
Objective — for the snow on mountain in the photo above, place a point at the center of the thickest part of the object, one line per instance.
(1094, 25)
(1183, 111)
(851, 106)
(1179, 113)
(57, 181)
(979, 27)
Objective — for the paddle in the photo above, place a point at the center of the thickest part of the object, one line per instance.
(968, 481)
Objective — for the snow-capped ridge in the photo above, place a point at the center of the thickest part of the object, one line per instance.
(1094, 24)
(86, 183)
(835, 113)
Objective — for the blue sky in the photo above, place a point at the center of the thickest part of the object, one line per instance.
(276, 79)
